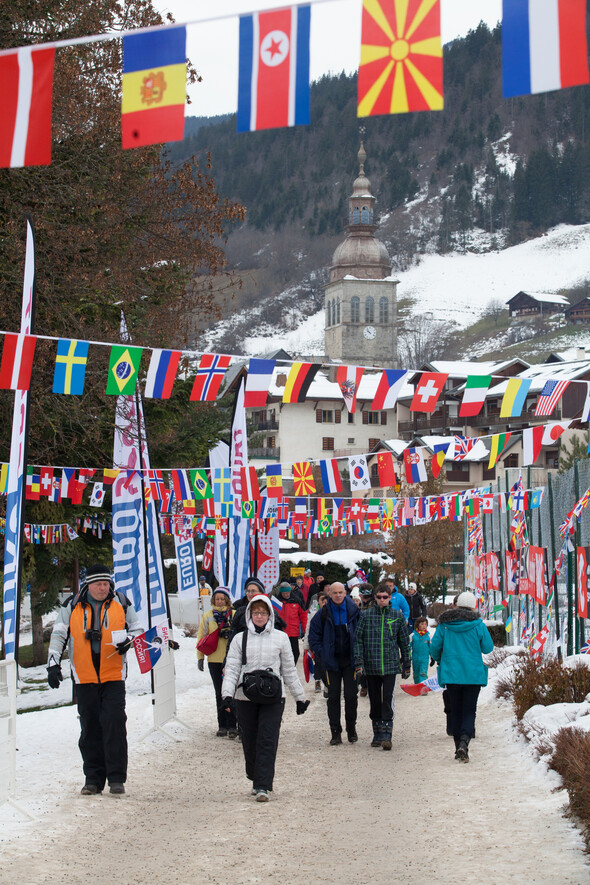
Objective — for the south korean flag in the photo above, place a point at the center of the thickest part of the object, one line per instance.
(359, 473)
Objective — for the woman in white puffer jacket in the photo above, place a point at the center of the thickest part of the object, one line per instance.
(260, 724)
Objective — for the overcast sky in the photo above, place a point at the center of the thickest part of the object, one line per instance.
(335, 40)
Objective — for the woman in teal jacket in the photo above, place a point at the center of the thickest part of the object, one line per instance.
(457, 646)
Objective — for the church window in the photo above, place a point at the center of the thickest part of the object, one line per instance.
(383, 310)
(369, 310)
(365, 215)
(356, 215)
(333, 312)
(329, 315)
(337, 320)
(355, 309)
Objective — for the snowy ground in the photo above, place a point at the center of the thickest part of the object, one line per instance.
(458, 287)
(346, 814)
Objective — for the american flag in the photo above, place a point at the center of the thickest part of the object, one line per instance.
(212, 368)
(549, 397)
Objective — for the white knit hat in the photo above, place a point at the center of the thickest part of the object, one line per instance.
(466, 600)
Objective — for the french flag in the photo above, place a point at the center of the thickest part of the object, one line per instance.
(25, 107)
(258, 383)
(273, 81)
(331, 480)
(161, 373)
(543, 45)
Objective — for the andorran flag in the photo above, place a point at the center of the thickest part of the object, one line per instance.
(154, 87)
(401, 67)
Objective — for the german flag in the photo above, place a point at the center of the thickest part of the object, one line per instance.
(299, 381)
(303, 479)
(401, 66)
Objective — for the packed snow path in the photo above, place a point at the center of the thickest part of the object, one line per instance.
(347, 814)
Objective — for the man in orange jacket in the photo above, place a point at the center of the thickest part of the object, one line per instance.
(98, 626)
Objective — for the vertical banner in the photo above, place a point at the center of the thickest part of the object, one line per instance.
(524, 587)
(186, 567)
(493, 572)
(511, 574)
(582, 582)
(219, 459)
(266, 556)
(15, 492)
(239, 528)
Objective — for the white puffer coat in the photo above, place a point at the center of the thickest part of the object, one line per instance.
(269, 649)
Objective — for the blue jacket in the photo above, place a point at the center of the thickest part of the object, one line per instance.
(321, 633)
(458, 644)
(398, 601)
(420, 651)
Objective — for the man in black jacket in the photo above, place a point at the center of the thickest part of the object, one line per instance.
(417, 604)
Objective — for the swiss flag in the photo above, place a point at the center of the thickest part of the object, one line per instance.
(428, 390)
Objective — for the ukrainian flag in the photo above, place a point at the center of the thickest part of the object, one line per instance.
(154, 87)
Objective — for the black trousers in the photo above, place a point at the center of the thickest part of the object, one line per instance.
(380, 689)
(335, 679)
(225, 718)
(260, 725)
(103, 736)
(463, 703)
(294, 640)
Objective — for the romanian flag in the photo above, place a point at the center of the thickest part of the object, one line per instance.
(154, 87)
(303, 479)
(401, 66)
(299, 381)
(499, 443)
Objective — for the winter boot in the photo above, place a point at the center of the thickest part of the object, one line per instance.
(457, 742)
(386, 734)
(336, 737)
(351, 732)
(376, 742)
(462, 753)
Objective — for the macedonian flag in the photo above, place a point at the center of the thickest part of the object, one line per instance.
(401, 65)
(303, 479)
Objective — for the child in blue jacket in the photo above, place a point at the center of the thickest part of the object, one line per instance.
(420, 650)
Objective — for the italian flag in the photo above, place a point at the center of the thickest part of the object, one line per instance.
(474, 396)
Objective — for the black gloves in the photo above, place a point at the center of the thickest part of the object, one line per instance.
(173, 644)
(302, 707)
(406, 672)
(226, 703)
(54, 676)
(124, 646)
(201, 664)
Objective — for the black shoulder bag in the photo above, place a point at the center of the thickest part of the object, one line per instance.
(260, 686)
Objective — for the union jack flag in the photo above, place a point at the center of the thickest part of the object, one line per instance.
(463, 445)
(210, 372)
(549, 397)
(585, 649)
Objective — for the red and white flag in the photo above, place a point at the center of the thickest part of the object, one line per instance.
(553, 431)
(25, 107)
(349, 378)
(17, 362)
(532, 443)
(250, 486)
(428, 390)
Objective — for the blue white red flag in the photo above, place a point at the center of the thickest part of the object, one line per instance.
(390, 385)
(550, 396)
(212, 368)
(585, 649)
(161, 373)
(543, 45)
(415, 466)
(181, 485)
(430, 684)
(273, 83)
(331, 480)
(258, 383)
(276, 604)
(148, 647)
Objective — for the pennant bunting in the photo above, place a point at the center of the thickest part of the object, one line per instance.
(161, 373)
(97, 496)
(25, 107)
(415, 465)
(514, 399)
(212, 368)
(17, 362)
(331, 480)
(549, 397)
(499, 441)
(274, 481)
(348, 379)
(437, 461)
(180, 485)
(200, 484)
(299, 381)
(428, 390)
(70, 367)
(532, 442)
(474, 395)
(250, 486)
(273, 82)
(303, 479)
(386, 470)
(258, 383)
(123, 368)
(359, 473)
(552, 431)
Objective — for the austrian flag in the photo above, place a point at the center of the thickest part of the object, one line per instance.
(25, 107)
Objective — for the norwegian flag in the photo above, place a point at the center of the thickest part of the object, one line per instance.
(549, 397)
(210, 372)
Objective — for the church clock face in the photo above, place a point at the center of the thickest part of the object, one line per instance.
(370, 332)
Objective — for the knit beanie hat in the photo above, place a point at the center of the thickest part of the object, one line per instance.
(285, 587)
(256, 582)
(466, 600)
(223, 590)
(97, 572)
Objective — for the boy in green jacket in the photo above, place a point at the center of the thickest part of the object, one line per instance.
(381, 639)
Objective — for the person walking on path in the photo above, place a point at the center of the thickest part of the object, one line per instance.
(263, 648)
(397, 599)
(420, 650)
(253, 587)
(381, 640)
(218, 620)
(457, 646)
(98, 626)
(293, 615)
(331, 639)
(416, 605)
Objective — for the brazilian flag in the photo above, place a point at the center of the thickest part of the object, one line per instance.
(123, 369)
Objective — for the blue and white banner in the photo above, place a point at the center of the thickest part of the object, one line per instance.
(239, 528)
(186, 567)
(218, 459)
(15, 490)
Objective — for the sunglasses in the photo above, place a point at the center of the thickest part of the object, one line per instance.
(382, 596)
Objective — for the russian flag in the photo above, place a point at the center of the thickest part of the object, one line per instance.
(161, 373)
(276, 604)
(543, 45)
(273, 81)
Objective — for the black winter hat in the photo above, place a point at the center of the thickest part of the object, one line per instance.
(97, 572)
(253, 580)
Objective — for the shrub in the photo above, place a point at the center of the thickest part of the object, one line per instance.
(435, 609)
(548, 682)
(571, 759)
(498, 633)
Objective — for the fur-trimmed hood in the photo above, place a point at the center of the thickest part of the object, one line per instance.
(454, 615)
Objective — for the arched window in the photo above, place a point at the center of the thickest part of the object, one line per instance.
(383, 310)
(328, 315)
(333, 312)
(356, 215)
(355, 309)
(338, 310)
(365, 215)
(369, 310)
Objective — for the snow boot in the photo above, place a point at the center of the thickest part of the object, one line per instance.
(90, 790)
(336, 737)
(117, 789)
(462, 753)
(351, 733)
(376, 742)
(386, 734)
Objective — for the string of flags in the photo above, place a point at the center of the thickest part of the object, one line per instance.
(400, 70)
(59, 533)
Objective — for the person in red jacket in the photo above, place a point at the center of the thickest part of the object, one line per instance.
(294, 616)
